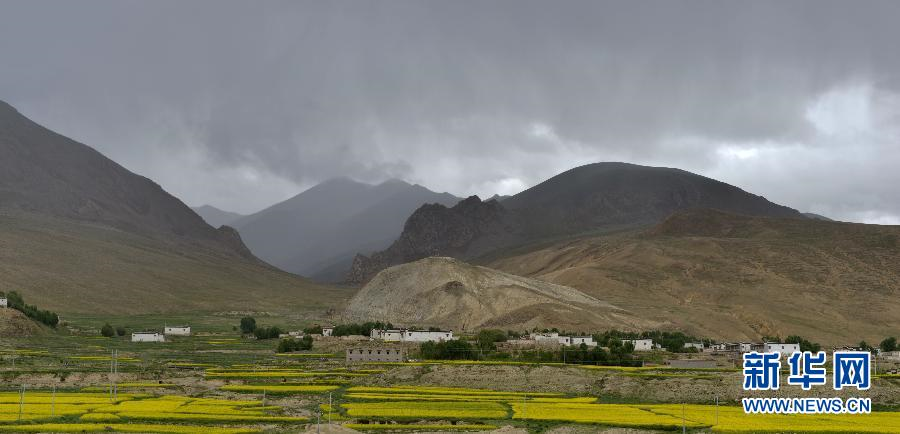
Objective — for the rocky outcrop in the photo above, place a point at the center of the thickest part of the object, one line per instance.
(469, 228)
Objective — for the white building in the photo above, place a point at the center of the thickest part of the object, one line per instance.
(545, 338)
(412, 335)
(784, 349)
(147, 337)
(697, 345)
(327, 331)
(587, 340)
(428, 336)
(641, 344)
(387, 335)
(177, 330)
(3, 302)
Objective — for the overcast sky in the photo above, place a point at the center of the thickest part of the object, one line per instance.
(243, 104)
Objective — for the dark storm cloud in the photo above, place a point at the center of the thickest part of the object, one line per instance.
(244, 103)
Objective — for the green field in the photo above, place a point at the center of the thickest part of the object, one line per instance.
(220, 382)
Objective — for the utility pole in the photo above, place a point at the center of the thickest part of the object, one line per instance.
(21, 402)
(717, 409)
(53, 402)
(683, 424)
(330, 408)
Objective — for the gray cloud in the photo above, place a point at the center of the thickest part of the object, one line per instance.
(241, 104)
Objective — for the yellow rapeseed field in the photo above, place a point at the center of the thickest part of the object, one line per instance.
(279, 389)
(414, 427)
(427, 410)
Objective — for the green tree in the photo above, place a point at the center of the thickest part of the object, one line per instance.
(248, 324)
(288, 345)
(120, 331)
(107, 330)
(889, 344)
(863, 346)
(267, 332)
(487, 339)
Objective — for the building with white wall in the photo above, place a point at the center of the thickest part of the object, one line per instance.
(641, 344)
(784, 349)
(147, 337)
(327, 331)
(587, 340)
(4, 302)
(697, 345)
(177, 330)
(376, 354)
(404, 335)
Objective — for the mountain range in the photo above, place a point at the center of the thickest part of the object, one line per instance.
(317, 232)
(597, 197)
(606, 245)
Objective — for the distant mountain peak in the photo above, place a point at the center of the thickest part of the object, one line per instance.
(593, 197)
(45, 173)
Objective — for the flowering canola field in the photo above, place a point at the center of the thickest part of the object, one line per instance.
(131, 413)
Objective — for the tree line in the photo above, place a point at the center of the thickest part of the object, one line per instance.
(15, 301)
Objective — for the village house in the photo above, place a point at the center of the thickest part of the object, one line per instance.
(640, 344)
(327, 331)
(587, 340)
(147, 337)
(376, 354)
(697, 345)
(412, 335)
(784, 349)
(3, 302)
(177, 330)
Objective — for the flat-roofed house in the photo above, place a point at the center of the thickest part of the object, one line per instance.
(641, 344)
(587, 340)
(177, 330)
(147, 337)
(784, 349)
(376, 354)
(412, 335)
(4, 302)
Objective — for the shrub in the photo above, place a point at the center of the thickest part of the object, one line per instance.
(120, 331)
(290, 344)
(266, 332)
(107, 330)
(248, 325)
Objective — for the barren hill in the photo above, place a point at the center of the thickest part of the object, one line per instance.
(737, 277)
(446, 292)
(80, 233)
(595, 197)
(14, 324)
(45, 173)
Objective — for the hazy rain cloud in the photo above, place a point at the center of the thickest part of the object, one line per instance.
(242, 104)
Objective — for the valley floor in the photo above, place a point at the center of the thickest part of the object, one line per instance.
(219, 382)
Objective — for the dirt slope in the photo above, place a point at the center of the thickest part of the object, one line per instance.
(446, 292)
(738, 277)
(14, 324)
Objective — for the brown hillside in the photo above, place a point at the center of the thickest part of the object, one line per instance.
(78, 267)
(14, 324)
(738, 277)
(446, 292)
